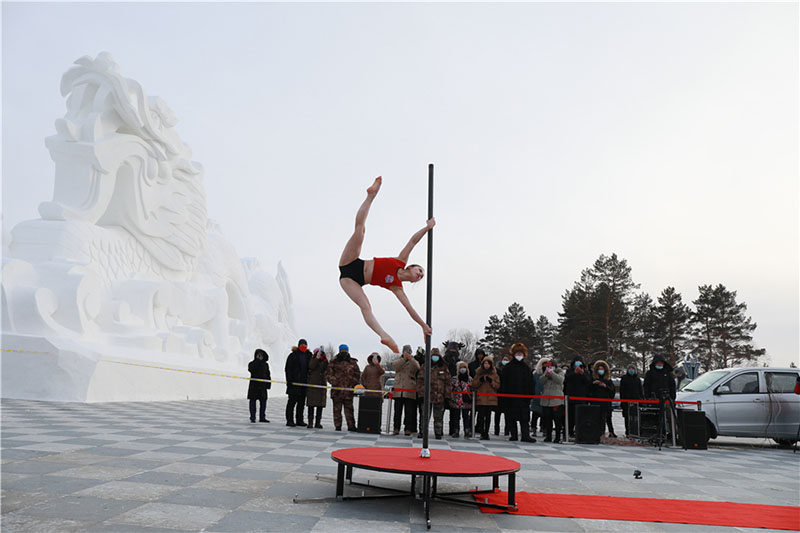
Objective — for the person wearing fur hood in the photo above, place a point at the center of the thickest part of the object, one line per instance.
(486, 380)
(517, 378)
(602, 387)
(659, 379)
(552, 381)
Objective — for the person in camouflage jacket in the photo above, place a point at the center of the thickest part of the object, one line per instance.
(461, 400)
(343, 371)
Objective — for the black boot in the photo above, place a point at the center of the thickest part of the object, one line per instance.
(318, 424)
(311, 417)
(525, 433)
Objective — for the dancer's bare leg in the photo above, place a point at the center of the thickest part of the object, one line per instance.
(352, 250)
(356, 293)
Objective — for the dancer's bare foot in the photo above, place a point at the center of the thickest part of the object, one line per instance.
(375, 187)
(389, 343)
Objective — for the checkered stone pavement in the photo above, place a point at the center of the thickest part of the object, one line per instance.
(202, 466)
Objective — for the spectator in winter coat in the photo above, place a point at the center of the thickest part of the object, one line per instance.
(405, 377)
(315, 398)
(343, 371)
(257, 390)
(475, 364)
(517, 379)
(658, 381)
(552, 381)
(630, 388)
(419, 357)
(371, 376)
(451, 359)
(461, 400)
(440, 389)
(486, 381)
(603, 387)
(500, 410)
(576, 383)
(680, 378)
(536, 404)
(296, 370)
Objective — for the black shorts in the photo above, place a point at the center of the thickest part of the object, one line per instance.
(353, 270)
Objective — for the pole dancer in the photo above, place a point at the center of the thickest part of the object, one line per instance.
(386, 272)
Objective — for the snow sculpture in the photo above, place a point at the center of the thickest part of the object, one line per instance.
(125, 265)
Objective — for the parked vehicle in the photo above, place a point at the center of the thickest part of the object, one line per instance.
(388, 385)
(748, 402)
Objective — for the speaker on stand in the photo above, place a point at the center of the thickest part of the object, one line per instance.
(589, 423)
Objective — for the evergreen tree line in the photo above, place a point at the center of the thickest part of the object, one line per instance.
(603, 316)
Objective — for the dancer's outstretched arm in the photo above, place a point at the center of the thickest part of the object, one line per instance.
(415, 239)
(401, 295)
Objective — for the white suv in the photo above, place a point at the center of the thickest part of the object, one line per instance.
(748, 402)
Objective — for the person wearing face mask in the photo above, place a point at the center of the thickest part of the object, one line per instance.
(603, 387)
(517, 379)
(315, 397)
(451, 359)
(405, 377)
(486, 381)
(552, 380)
(630, 388)
(576, 383)
(296, 370)
(658, 381)
(461, 400)
(500, 410)
(441, 387)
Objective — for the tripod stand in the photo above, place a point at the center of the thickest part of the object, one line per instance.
(661, 432)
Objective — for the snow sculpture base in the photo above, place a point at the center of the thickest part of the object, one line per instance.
(125, 265)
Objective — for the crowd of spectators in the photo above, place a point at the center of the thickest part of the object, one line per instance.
(502, 389)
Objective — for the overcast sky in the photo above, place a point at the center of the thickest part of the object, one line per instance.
(665, 133)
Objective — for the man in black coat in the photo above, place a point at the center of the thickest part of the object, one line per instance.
(576, 383)
(658, 381)
(630, 388)
(518, 379)
(259, 369)
(296, 372)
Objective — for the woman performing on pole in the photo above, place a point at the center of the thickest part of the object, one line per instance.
(386, 272)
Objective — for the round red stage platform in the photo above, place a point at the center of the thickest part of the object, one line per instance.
(441, 463)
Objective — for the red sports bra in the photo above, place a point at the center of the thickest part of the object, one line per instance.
(384, 272)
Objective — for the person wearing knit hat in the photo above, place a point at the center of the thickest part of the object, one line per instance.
(461, 401)
(386, 272)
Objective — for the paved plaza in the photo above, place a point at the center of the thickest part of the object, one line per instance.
(202, 466)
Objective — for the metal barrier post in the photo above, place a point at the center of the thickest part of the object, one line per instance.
(672, 422)
(473, 421)
(566, 419)
(699, 406)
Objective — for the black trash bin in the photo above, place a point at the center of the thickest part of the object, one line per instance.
(370, 409)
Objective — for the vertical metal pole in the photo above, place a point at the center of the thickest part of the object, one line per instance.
(566, 419)
(429, 274)
(389, 416)
(474, 420)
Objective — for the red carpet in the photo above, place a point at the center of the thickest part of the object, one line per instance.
(650, 510)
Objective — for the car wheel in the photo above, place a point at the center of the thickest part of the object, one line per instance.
(785, 443)
(712, 429)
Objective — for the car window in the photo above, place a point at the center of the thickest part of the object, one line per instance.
(779, 382)
(746, 383)
(705, 381)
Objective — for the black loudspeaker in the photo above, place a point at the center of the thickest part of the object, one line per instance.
(369, 414)
(589, 423)
(693, 429)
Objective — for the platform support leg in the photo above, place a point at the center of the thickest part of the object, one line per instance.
(349, 473)
(495, 483)
(435, 485)
(340, 482)
(512, 490)
(413, 485)
(427, 491)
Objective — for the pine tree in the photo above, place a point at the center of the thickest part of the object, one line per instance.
(672, 324)
(545, 337)
(494, 337)
(642, 336)
(722, 334)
